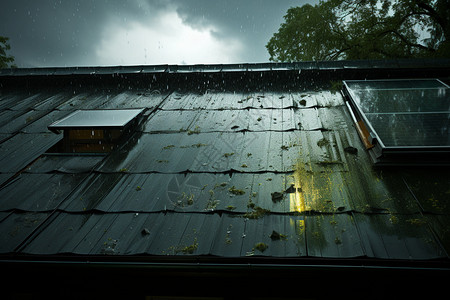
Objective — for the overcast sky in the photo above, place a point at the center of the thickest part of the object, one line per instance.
(133, 32)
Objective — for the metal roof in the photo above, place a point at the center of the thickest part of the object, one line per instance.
(226, 174)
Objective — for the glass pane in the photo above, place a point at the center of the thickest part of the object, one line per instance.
(394, 84)
(96, 118)
(412, 129)
(387, 101)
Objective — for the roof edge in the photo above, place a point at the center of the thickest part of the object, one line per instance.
(208, 261)
(425, 63)
(196, 276)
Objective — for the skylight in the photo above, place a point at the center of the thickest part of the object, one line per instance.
(94, 131)
(402, 121)
(106, 118)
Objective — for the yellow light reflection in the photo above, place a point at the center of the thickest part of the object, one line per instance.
(313, 188)
(299, 227)
(312, 191)
(297, 199)
(304, 188)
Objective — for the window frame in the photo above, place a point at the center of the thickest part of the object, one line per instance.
(380, 153)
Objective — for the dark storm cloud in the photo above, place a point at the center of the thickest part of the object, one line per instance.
(253, 21)
(58, 33)
(67, 33)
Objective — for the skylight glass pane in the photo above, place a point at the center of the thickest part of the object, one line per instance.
(394, 84)
(96, 118)
(429, 129)
(404, 113)
(391, 101)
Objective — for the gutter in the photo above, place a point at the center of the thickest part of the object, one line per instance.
(224, 277)
(221, 263)
(424, 63)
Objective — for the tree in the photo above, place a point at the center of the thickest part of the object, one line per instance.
(363, 29)
(6, 61)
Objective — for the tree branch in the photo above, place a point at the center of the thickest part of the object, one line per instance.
(437, 17)
(405, 40)
(432, 13)
(335, 54)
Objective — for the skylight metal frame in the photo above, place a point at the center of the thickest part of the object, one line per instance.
(95, 131)
(71, 122)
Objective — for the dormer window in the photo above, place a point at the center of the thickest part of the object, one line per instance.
(94, 131)
(403, 122)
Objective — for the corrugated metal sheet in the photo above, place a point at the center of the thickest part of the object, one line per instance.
(222, 100)
(323, 236)
(201, 192)
(269, 151)
(17, 227)
(229, 174)
(37, 192)
(21, 149)
(70, 164)
(173, 234)
(205, 192)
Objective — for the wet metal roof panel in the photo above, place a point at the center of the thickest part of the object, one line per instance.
(37, 192)
(218, 152)
(69, 164)
(239, 173)
(21, 149)
(16, 228)
(321, 236)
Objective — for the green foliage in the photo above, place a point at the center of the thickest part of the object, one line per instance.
(363, 29)
(305, 33)
(6, 61)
